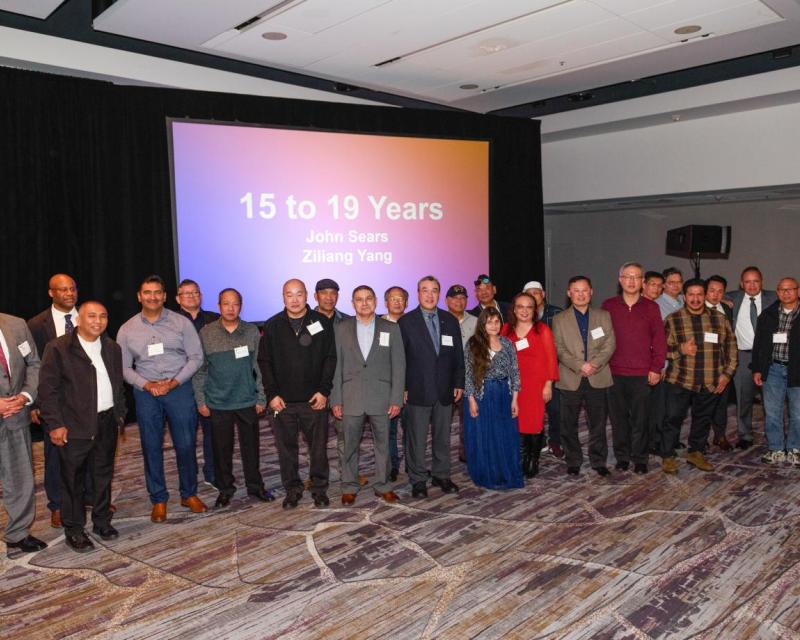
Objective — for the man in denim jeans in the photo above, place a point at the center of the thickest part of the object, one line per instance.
(776, 368)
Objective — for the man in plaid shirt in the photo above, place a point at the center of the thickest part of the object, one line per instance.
(701, 356)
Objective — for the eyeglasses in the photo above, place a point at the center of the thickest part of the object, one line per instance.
(189, 294)
(631, 278)
(787, 289)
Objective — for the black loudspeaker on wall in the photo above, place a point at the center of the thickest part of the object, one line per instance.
(699, 241)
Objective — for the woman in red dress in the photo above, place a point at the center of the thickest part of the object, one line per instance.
(538, 369)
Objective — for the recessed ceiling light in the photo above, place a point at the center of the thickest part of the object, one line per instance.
(274, 35)
(690, 28)
(468, 87)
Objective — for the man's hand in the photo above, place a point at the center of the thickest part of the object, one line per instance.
(337, 411)
(35, 413)
(204, 411)
(154, 388)
(588, 369)
(473, 407)
(653, 378)
(689, 348)
(405, 397)
(260, 409)
(277, 404)
(457, 393)
(318, 401)
(12, 405)
(722, 383)
(758, 380)
(59, 436)
(394, 411)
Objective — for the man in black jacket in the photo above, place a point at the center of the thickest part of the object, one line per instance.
(83, 404)
(297, 357)
(776, 368)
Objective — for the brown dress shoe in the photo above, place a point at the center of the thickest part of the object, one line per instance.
(159, 512)
(722, 443)
(55, 519)
(697, 459)
(669, 465)
(389, 496)
(195, 504)
(348, 499)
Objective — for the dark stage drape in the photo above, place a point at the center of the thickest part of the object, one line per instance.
(86, 186)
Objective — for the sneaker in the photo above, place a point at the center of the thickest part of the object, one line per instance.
(774, 457)
(793, 456)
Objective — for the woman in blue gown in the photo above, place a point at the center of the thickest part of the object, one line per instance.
(491, 436)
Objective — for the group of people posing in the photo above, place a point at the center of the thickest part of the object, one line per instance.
(649, 354)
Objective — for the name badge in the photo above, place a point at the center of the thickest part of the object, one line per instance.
(24, 348)
(314, 328)
(156, 349)
(241, 352)
(383, 339)
(598, 333)
(521, 344)
(447, 341)
(713, 338)
(777, 338)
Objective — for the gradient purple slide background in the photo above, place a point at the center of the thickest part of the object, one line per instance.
(219, 246)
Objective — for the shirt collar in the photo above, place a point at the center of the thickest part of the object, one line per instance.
(60, 314)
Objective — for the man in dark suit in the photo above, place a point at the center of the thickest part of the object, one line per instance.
(58, 319)
(368, 382)
(715, 292)
(434, 381)
(750, 300)
(82, 398)
(485, 292)
(19, 379)
(190, 304)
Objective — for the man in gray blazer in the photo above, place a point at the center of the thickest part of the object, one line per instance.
(584, 339)
(750, 300)
(368, 382)
(19, 379)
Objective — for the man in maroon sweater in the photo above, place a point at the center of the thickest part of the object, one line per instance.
(635, 366)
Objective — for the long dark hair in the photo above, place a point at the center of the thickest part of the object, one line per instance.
(478, 345)
(512, 317)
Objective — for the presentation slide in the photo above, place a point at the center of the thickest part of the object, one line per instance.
(256, 206)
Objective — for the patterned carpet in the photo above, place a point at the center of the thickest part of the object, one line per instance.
(697, 555)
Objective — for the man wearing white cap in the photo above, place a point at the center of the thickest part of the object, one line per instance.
(545, 313)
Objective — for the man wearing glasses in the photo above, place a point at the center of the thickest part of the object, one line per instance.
(190, 300)
(635, 367)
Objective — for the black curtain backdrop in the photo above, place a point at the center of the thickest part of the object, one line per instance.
(86, 185)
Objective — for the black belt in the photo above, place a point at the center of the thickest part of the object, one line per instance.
(781, 362)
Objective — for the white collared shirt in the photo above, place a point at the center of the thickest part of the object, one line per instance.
(744, 328)
(717, 307)
(105, 394)
(60, 322)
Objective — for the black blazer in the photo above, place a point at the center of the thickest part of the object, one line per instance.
(762, 345)
(43, 329)
(504, 307)
(68, 385)
(431, 377)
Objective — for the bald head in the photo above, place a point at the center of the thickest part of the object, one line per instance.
(64, 292)
(295, 297)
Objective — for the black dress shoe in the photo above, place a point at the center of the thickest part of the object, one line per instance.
(321, 500)
(640, 468)
(623, 466)
(602, 471)
(79, 542)
(265, 495)
(106, 533)
(28, 544)
(680, 445)
(573, 471)
(290, 501)
(222, 501)
(445, 484)
(419, 490)
(393, 475)
(744, 444)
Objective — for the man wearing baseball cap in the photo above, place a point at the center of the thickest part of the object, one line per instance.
(456, 300)
(485, 292)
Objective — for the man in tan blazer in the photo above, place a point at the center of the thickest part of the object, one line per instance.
(584, 338)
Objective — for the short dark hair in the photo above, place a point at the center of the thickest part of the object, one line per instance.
(653, 274)
(228, 290)
(153, 278)
(694, 282)
(576, 279)
(716, 278)
(752, 268)
(188, 282)
(431, 279)
(364, 287)
(671, 271)
(399, 288)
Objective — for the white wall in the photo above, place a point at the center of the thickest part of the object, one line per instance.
(595, 244)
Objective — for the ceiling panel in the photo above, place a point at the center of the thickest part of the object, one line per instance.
(684, 11)
(746, 16)
(34, 8)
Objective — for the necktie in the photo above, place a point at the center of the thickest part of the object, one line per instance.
(433, 329)
(4, 363)
(753, 312)
(68, 326)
